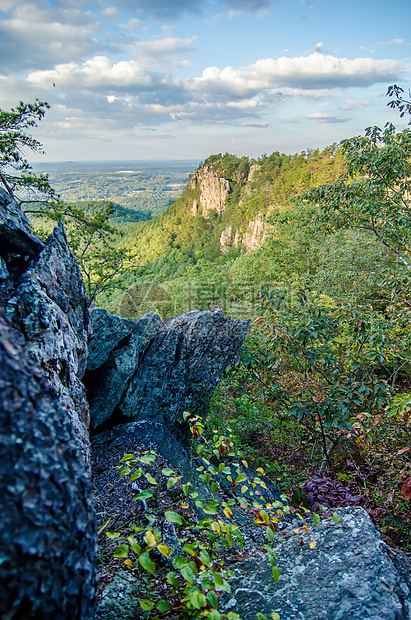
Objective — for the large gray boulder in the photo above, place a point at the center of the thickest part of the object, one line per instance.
(15, 233)
(154, 370)
(349, 574)
(48, 307)
(47, 529)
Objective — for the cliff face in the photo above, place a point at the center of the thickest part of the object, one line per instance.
(214, 191)
(251, 239)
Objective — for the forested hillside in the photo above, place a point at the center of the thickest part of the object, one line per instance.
(237, 226)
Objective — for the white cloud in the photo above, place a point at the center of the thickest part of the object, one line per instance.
(163, 52)
(37, 35)
(352, 104)
(110, 11)
(99, 73)
(326, 118)
(305, 72)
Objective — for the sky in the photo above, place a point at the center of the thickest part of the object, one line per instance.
(182, 79)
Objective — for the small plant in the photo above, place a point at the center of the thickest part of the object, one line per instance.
(197, 572)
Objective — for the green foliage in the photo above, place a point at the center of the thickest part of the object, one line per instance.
(199, 573)
(324, 363)
(398, 101)
(374, 195)
(93, 241)
(15, 171)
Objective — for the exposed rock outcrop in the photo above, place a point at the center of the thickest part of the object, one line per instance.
(15, 234)
(251, 239)
(214, 191)
(158, 369)
(47, 535)
(42, 296)
(48, 307)
(348, 574)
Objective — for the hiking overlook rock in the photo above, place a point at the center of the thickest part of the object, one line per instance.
(66, 371)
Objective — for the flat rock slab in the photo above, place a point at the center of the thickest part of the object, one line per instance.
(348, 575)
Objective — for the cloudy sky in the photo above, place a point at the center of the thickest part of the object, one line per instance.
(153, 79)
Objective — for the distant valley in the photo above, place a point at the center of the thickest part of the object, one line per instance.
(146, 186)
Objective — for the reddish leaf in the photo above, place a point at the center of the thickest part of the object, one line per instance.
(406, 489)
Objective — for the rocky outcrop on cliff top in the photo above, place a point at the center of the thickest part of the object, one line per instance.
(47, 531)
(154, 370)
(214, 191)
(43, 298)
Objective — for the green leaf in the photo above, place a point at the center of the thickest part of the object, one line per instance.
(207, 583)
(144, 495)
(163, 606)
(189, 549)
(187, 573)
(172, 580)
(113, 535)
(221, 584)
(336, 517)
(126, 470)
(212, 599)
(179, 561)
(147, 563)
(167, 471)
(127, 457)
(148, 459)
(213, 614)
(137, 474)
(150, 479)
(171, 482)
(276, 573)
(173, 517)
(121, 551)
(197, 599)
(146, 605)
(134, 545)
(316, 518)
(270, 534)
(240, 478)
(261, 616)
(204, 557)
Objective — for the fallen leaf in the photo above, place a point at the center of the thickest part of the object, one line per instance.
(406, 489)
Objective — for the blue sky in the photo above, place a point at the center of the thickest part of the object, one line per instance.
(152, 79)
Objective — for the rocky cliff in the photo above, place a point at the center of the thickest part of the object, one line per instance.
(250, 239)
(214, 191)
